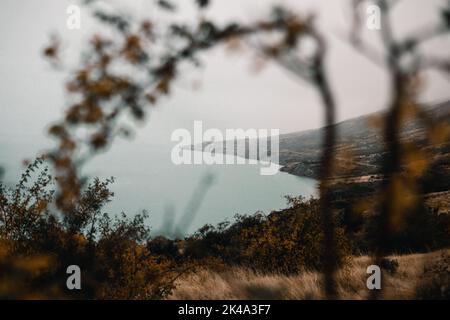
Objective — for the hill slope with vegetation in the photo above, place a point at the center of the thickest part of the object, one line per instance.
(359, 145)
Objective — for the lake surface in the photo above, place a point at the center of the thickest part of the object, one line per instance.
(180, 199)
(183, 198)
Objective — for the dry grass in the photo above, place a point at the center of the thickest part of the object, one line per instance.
(238, 283)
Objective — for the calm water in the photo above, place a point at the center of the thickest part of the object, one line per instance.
(146, 179)
(186, 197)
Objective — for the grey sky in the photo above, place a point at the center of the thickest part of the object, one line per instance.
(231, 96)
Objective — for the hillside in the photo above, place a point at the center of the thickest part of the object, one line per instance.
(360, 150)
(359, 147)
(417, 276)
(358, 139)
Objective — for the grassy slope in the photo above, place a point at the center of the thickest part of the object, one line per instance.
(239, 283)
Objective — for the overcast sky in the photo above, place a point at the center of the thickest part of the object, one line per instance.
(231, 95)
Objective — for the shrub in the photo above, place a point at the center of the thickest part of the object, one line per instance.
(423, 230)
(390, 265)
(37, 244)
(286, 241)
(435, 284)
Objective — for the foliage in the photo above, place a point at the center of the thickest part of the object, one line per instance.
(286, 242)
(423, 229)
(37, 245)
(45, 229)
(436, 282)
